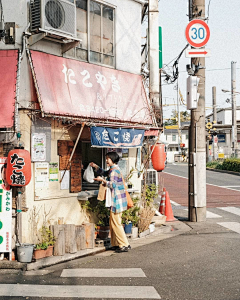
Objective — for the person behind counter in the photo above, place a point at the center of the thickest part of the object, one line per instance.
(114, 181)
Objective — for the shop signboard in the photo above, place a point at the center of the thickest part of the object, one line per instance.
(116, 137)
(5, 211)
(77, 89)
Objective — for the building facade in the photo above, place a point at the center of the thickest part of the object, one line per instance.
(72, 69)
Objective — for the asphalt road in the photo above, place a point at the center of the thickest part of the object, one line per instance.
(202, 264)
(215, 178)
(222, 189)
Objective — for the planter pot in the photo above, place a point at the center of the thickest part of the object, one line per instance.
(37, 254)
(128, 228)
(134, 232)
(152, 227)
(103, 232)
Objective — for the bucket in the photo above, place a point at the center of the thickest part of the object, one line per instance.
(25, 252)
(128, 228)
(103, 232)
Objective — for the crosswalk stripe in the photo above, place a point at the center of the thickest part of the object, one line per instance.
(133, 272)
(234, 226)
(210, 215)
(231, 209)
(76, 291)
(175, 203)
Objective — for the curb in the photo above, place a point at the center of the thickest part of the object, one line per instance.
(163, 232)
(224, 171)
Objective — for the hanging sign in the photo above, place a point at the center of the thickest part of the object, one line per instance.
(116, 137)
(5, 211)
(18, 167)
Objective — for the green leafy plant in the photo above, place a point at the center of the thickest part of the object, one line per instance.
(150, 193)
(131, 214)
(47, 238)
(99, 210)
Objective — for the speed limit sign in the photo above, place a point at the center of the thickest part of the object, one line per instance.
(197, 33)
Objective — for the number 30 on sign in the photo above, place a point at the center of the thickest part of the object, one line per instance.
(197, 33)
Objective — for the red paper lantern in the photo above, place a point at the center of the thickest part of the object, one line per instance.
(18, 171)
(158, 157)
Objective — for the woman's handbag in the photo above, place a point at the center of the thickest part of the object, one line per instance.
(129, 200)
(102, 192)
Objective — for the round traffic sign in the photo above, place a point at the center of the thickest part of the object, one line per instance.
(197, 33)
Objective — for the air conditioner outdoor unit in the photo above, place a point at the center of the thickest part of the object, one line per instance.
(54, 16)
(152, 177)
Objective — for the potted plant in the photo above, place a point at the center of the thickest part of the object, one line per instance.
(45, 247)
(130, 216)
(98, 210)
(129, 184)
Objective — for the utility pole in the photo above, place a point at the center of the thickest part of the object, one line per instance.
(179, 120)
(234, 120)
(214, 120)
(153, 44)
(197, 134)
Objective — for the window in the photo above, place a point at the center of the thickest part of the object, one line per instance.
(174, 138)
(186, 136)
(98, 40)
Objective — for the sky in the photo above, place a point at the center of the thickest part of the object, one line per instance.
(224, 44)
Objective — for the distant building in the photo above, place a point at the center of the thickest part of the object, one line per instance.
(174, 138)
(223, 139)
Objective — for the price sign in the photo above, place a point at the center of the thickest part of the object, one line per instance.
(197, 33)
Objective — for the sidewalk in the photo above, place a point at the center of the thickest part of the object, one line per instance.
(168, 230)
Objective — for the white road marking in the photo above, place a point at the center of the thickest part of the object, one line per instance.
(234, 226)
(219, 186)
(133, 272)
(77, 291)
(231, 209)
(228, 186)
(37, 272)
(210, 215)
(175, 203)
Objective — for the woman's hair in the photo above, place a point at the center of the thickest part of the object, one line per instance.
(113, 156)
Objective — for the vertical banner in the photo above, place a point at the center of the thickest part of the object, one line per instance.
(5, 211)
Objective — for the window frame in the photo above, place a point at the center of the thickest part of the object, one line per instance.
(113, 7)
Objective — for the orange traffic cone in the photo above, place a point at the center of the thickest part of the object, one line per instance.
(162, 204)
(168, 209)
